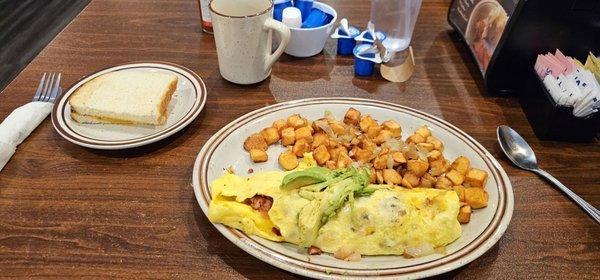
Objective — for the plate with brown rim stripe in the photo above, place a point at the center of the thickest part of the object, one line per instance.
(186, 104)
(487, 225)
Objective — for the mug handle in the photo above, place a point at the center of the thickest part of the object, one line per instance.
(284, 34)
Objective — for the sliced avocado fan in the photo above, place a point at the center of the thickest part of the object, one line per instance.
(309, 176)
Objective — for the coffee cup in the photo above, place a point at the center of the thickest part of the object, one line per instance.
(243, 35)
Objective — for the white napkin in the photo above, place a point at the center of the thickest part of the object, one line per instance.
(18, 125)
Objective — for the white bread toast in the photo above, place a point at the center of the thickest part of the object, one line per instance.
(124, 97)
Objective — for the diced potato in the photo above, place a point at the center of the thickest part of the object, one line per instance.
(352, 116)
(464, 214)
(461, 164)
(296, 121)
(426, 146)
(309, 125)
(279, 125)
(362, 155)
(393, 127)
(434, 155)
(392, 177)
(258, 155)
(380, 162)
(373, 176)
(438, 167)
(423, 131)
(343, 160)
(367, 144)
(366, 122)
(335, 152)
(255, 141)
(410, 180)
(476, 178)
(415, 138)
(288, 160)
(460, 191)
(443, 183)
(476, 197)
(319, 139)
(383, 136)
(398, 157)
(379, 174)
(427, 181)
(330, 164)
(418, 167)
(270, 134)
(337, 127)
(321, 154)
(303, 133)
(456, 177)
(437, 144)
(373, 131)
(300, 147)
(316, 125)
(288, 136)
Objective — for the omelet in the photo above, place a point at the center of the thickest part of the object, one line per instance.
(390, 221)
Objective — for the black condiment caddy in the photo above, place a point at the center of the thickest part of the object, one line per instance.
(538, 27)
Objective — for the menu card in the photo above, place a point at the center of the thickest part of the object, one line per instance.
(481, 23)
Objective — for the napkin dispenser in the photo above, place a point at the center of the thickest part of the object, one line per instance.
(505, 36)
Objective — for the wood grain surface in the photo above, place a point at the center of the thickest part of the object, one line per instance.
(68, 211)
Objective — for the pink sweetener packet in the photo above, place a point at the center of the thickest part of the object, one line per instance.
(565, 61)
(554, 65)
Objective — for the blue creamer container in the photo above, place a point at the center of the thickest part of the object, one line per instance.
(346, 42)
(305, 7)
(364, 62)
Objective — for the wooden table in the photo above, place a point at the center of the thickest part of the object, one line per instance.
(68, 211)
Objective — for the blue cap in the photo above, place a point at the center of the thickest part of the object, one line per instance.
(316, 18)
(305, 7)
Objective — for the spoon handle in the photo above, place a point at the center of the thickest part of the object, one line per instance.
(588, 208)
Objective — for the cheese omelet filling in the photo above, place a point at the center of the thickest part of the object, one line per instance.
(391, 221)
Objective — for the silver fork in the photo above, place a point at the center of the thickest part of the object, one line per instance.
(49, 88)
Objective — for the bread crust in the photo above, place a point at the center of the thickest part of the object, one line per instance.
(162, 109)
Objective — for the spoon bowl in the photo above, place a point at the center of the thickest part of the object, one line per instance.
(516, 148)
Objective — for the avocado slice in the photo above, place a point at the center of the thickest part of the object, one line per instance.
(309, 176)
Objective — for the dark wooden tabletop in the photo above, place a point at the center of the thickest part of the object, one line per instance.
(68, 211)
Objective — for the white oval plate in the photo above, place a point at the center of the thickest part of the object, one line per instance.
(487, 225)
(187, 102)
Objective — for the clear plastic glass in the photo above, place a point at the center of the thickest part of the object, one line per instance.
(396, 18)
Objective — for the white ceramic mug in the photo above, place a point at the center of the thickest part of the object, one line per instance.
(243, 34)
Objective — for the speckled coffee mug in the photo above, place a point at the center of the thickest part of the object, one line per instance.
(243, 34)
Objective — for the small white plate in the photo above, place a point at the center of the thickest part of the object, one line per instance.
(187, 102)
(487, 225)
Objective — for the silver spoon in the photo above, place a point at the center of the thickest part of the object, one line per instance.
(519, 152)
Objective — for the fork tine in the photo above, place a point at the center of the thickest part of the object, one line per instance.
(38, 92)
(47, 87)
(55, 89)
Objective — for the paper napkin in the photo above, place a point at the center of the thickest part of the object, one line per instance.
(18, 125)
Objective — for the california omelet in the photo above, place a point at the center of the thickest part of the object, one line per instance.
(390, 221)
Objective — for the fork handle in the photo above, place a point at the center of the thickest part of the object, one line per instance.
(588, 208)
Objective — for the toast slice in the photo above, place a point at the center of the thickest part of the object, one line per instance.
(124, 97)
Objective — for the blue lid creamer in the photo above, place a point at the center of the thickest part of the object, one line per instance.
(365, 57)
(345, 34)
